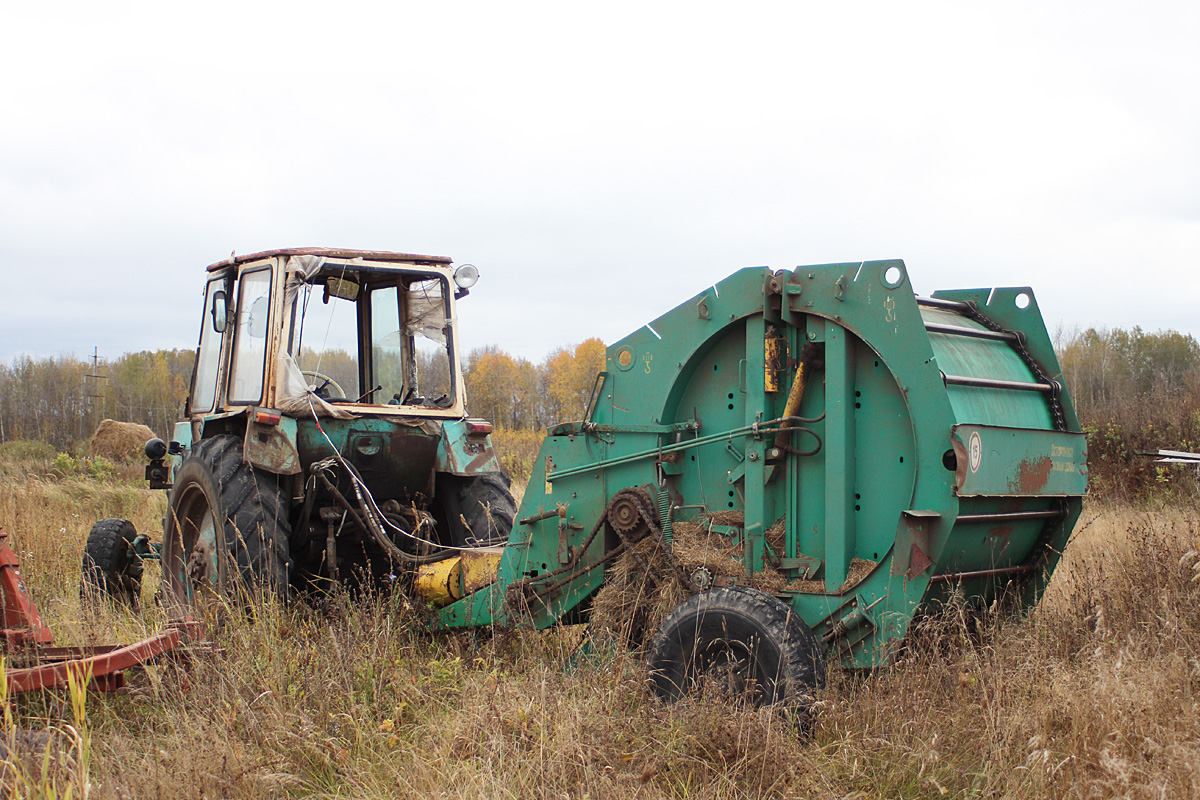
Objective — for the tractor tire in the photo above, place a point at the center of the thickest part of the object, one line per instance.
(480, 508)
(227, 530)
(747, 644)
(110, 567)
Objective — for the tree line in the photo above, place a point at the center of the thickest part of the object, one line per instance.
(60, 400)
(1133, 390)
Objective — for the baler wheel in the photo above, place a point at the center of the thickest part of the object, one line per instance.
(110, 567)
(227, 526)
(747, 644)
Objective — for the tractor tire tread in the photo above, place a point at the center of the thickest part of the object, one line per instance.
(487, 506)
(257, 528)
(108, 569)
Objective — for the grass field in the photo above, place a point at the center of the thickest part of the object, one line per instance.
(1092, 695)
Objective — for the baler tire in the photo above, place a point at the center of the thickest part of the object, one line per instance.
(753, 645)
(485, 505)
(110, 567)
(250, 508)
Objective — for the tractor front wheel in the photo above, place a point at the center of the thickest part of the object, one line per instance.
(227, 527)
(743, 643)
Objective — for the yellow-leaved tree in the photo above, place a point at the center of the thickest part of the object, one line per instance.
(503, 389)
(570, 378)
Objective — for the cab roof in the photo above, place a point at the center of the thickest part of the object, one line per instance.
(333, 252)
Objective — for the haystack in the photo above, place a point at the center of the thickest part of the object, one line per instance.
(120, 441)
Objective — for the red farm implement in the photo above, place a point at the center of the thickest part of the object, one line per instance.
(39, 665)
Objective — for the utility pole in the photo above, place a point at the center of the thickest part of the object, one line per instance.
(93, 390)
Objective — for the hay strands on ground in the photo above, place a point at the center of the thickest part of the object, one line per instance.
(101, 667)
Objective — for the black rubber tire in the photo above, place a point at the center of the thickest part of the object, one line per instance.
(110, 567)
(480, 508)
(754, 645)
(248, 508)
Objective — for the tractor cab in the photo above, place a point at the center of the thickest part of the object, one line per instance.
(331, 333)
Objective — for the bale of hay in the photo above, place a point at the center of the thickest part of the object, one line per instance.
(776, 536)
(630, 604)
(735, 518)
(770, 580)
(120, 441)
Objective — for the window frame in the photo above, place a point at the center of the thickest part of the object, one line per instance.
(221, 283)
(246, 271)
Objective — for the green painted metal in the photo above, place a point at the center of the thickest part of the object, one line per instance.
(1005, 462)
(462, 453)
(878, 478)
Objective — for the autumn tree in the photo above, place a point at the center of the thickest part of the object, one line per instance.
(503, 389)
(570, 377)
(1109, 367)
(150, 387)
(43, 399)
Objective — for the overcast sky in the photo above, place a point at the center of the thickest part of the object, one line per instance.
(599, 163)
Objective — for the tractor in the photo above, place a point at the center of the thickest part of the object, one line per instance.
(325, 438)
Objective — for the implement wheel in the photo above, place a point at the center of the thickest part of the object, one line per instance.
(110, 567)
(227, 527)
(746, 644)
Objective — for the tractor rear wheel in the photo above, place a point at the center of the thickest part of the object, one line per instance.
(110, 567)
(481, 507)
(746, 644)
(227, 527)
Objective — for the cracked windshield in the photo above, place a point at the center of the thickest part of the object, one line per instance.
(407, 352)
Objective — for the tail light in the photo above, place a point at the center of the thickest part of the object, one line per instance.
(266, 417)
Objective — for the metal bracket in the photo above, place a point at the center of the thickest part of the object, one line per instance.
(910, 557)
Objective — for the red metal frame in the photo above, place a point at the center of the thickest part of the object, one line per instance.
(101, 667)
(22, 623)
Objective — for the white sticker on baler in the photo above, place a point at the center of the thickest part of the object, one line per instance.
(974, 451)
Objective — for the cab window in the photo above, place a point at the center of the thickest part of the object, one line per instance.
(250, 337)
(208, 357)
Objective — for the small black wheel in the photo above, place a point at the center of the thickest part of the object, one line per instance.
(480, 508)
(110, 567)
(227, 527)
(748, 644)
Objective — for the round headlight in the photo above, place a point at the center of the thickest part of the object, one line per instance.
(466, 276)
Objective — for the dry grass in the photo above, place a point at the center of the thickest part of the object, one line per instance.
(1094, 695)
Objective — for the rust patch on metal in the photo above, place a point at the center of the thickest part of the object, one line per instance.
(269, 448)
(960, 461)
(478, 462)
(1001, 533)
(918, 562)
(1032, 475)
